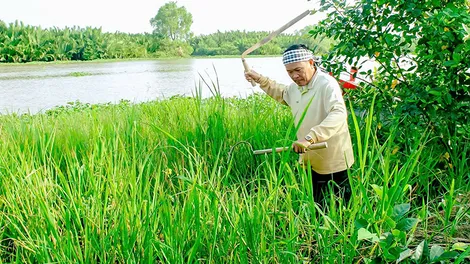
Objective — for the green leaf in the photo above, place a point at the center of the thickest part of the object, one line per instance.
(406, 224)
(434, 92)
(466, 28)
(386, 240)
(398, 234)
(459, 246)
(364, 234)
(419, 251)
(447, 255)
(391, 224)
(400, 210)
(457, 57)
(462, 256)
(450, 63)
(378, 189)
(448, 98)
(436, 252)
(404, 255)
(184, 178)
(360, 223)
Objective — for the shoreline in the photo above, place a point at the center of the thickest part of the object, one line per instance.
(6, 64)
(80, 105)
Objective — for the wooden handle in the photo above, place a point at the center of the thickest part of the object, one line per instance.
(247, 69)
(271, 36)
(267, 151)
(320, 145)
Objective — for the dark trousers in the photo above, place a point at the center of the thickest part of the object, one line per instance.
(338, 182)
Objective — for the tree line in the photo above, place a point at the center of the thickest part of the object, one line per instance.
(26, 43)
(236, 42)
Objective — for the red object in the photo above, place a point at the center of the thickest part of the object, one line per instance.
(351, 83)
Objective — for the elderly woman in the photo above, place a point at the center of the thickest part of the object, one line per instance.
(318, 96)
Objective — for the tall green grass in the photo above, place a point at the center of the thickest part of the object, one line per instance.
(174, 181)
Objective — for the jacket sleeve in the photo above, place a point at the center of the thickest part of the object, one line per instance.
(275, 90)
(336, 117)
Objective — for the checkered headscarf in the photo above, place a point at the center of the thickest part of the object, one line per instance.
(297, 55)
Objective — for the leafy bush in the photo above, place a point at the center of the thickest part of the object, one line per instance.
(423, 57)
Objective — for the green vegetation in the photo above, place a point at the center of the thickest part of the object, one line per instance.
(236, 42)
(423, 52)
(145, 183)
(175, 181)
(171, 38)
(79, 74)
(173, 22)
(23, 43)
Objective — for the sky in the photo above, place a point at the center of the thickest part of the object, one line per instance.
(209, 16)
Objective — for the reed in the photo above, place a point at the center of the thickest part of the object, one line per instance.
(175, 181)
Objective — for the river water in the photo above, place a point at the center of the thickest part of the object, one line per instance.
(35, 88)
(38, 87)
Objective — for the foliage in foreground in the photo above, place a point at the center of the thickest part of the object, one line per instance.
(422, 51)
(175, 182)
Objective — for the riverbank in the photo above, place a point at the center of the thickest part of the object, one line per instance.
(133, 59)
(145, 183)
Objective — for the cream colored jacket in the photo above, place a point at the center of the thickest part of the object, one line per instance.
(325, 119)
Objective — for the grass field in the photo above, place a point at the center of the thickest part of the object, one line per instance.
(175, 181)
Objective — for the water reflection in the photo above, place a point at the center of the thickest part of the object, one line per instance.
(38, 87)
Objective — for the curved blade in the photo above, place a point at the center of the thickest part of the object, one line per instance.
(277, 32)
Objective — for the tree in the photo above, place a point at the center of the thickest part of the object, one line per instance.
(423, 56)
(25, 43)
(3, 26)
(173, 22)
